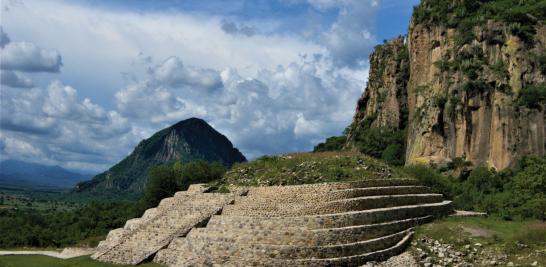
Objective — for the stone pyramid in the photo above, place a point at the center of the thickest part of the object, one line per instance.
(336, 224)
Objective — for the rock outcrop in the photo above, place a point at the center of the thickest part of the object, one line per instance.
(187, 140)
(336, 224)
(384, 102)
(476, 94)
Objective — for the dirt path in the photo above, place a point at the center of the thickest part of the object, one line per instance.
(67, 253)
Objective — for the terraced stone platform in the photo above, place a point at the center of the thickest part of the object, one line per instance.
(337, 224)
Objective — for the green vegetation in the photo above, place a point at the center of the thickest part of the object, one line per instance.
(532, 96)
(385, 143)
(521, 16)
(510, 194)
(308, 168)
(45, 261)
(518, 240)
(334, 143)
(84, 226)
(87, 224)
(167, 179)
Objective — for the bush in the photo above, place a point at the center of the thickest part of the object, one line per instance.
(198, 171)
(532, 96)
(374, 141)
(165, 180)
(509, 194)
(162, 183)
(394, 154)
(433, 179)
(334, 143)
(529, 187)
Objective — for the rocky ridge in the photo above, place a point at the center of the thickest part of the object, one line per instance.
(476, 94)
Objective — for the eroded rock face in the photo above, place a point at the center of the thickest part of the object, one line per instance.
(384, 102)
(462, 98)
(456, 111)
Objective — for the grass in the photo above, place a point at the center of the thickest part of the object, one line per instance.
(45, 261)
(522, 241)
(308, 168)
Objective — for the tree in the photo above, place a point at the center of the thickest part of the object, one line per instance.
(162, 183)
(334, 143)
(530, 185)
(198, 171)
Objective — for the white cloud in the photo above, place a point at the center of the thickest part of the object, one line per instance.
(14, 79)
(52, 126)
(268, 91)
(172, 72)
(28, 57)
(280, 110)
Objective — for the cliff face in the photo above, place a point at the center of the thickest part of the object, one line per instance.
(187, 140)
(384, 102)
(476, 94)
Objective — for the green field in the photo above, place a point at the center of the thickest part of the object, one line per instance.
(45, 261)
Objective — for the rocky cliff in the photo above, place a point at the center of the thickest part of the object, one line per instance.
(187, 140)
(474, 87)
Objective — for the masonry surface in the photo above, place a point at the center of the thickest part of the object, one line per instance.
(336, 224)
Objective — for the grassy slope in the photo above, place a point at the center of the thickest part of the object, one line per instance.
(308, 168)
(45, 261)
(502, 237)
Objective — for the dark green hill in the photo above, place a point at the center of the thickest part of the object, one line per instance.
(185, 141)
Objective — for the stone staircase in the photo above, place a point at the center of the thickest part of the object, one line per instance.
(338, 224)
(143, 237)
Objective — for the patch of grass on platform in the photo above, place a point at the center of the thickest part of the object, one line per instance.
(45, 261)
(308, 168)
(523, 242)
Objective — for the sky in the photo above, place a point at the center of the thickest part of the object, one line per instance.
(83, 81)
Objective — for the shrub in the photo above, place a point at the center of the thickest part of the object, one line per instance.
(529, 186)
(532, 96)
(373, 141)
(394, 154)
(334, 143)
(432, 178)
(167, 179)
(161, 184)
(198, 171)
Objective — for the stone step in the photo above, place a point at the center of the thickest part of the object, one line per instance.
(332, 220)
(343, 205)
(208, 250)
(334, 195)
(355, 260)
(147, 238)
(303, 236)
(327, 187)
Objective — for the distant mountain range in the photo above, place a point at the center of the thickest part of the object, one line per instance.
(185, 141)
(25, 175)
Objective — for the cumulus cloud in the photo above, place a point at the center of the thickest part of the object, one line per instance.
(285, 109)
(28, 57)
(350, 38)
(61, 129)
(15, 79)
(4, 38)
(173, 73)
(233, 28)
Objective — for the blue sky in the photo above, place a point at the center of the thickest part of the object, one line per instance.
(84, 81)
